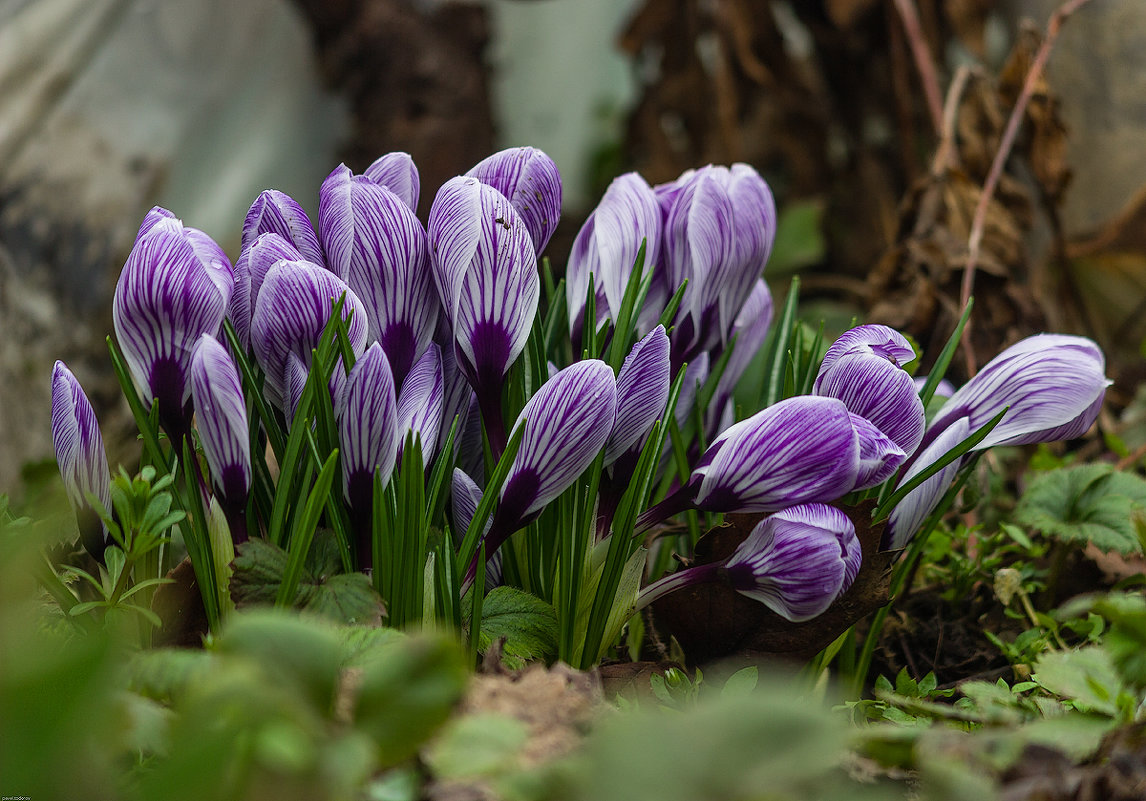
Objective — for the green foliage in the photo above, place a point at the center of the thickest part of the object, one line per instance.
(1086, 503)
(527, 624)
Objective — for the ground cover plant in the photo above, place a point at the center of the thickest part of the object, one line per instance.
(374, 453)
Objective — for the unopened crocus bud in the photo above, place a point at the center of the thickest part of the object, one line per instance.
(531, 182)
(642, 392)
(251, 270)
(397, 172)
(275, 212)
(864, 369)
(796, 562)
(420, 404)
(80, 455)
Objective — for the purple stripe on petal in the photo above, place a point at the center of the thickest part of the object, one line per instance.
(627, 215)
(878, 340)
(1053, 384)
(642, 392)
(567, 422)
(367, 426)
(755, 231)
(453, 232)
(798, 561)
(879, 456)
(531, 182)
(221, 417)
(275, 212)
(420, 403)
(801, 449)
(250, 272)
(909, 514)
(398, 173)
(291, 311)
(77, 441)
(873, 387)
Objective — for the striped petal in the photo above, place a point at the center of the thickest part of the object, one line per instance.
(1054, 385)
(375, 243)
(802, 449)
(750, 329)
(466, 495)
(879, 456)
(878, 340)
(584, 261)
(291, 311)
(798, 561)
(909, 514)
(482, 252)
(367, 427)
(80, 452)
(566, 424)
(420, 403)
(398, 173)
(275, 212)
(755, 231)
(642, 392)
(164, 300)
(221, 417)
(531, 182)
(871, 384)
(250, 272)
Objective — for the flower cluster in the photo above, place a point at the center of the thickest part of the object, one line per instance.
(441, 334)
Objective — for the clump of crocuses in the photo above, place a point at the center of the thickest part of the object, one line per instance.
(325, 353)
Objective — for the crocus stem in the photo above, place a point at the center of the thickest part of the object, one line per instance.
(489, 403)
(678, 502)
(236, 520)
(678, 580)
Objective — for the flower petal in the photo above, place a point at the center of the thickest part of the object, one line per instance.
(879, 340)
(879, 456)
(275, 212)
(420, 403)
(250, 272)
(1053, 384)
(367, 426)
(79, 446)
(642, 392)
(801, 449)
(566, 424)
(627, 215)
(397, 172)
(798, 561)
(531, 182)
(221, 417)
(909, 514)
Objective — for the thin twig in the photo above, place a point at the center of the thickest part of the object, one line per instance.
(923, 62)
(947, 152)
(1005, 144)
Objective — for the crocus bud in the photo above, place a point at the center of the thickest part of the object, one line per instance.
(607, 246)
(221, 417)
(642, 392)
(466, 495)
(291, 311)
(80, 455)
(486, 273)
(374, 242)
(796, 562)
(367, 426)
(531, 182)
(173, 288)
(250, 271)
(909, 514)
(420, 404)
(398, 173)
(863, 368)
(1054, 385)
(275, 212)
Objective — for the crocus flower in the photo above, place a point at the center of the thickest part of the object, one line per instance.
(368, 436)
(465, 497)
(221, 417)
(251, 270)
(174, 287)
(291, 311)
(1054, 385)
(863, 368)
(566, 423)
(80, 455)
(374, 242)
(718, 234)
(398, 173)
(796, 562)
(275, 212)
(607, 247)
(531, 182)
(909, 514)
(642, 392)
(803, 449)
(420, 404)
(486, 273)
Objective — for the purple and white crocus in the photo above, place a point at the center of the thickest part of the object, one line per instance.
(175, 287)
(1052, 386)
(81, 457)
(485, 269)
(529, 179)
(275, 212)
(796, 562)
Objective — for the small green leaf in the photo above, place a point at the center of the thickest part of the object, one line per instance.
(741, 683)
(1085, 503)
(528, 624)
(473, 746)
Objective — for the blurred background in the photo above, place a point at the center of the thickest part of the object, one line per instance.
(875, 121)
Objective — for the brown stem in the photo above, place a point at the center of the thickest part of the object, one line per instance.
(924, 64)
